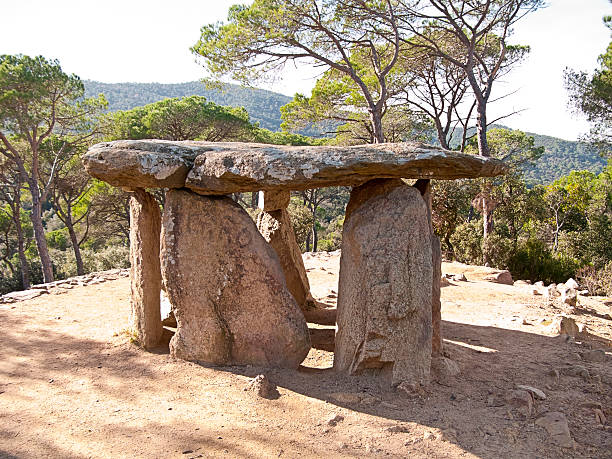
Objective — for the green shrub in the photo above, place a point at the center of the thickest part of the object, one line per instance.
(301, 220)
(64, 264)
(58, 239)
(467, 241)
(499, 249)
(597, 281)
(331, 237)
(10, 282)
(533, 260)
(112, 257)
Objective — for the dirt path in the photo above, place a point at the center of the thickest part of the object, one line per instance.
(73, 385)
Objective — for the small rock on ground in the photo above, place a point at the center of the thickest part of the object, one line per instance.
(334, 420)
(596, 355)
(263, 387)
(537, 393)
(522, 400)
(555, 424)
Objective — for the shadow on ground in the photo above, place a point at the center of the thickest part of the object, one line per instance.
(492, 360)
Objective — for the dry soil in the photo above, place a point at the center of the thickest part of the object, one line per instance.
(73, 384)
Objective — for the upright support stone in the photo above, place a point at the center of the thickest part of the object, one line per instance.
(226, 287)
(274, 223)
(424, 187)
(436, 305)
(145, 273)
(385, 288)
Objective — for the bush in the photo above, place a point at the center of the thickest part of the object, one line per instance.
(58, 239)
(64, 264)
(467, 241)
(10, 282)
(597, 281)
(112, 257)
(534, 261)
(331, 237)
(301, 219)
(499, 249)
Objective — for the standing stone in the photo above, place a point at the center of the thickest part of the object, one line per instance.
(274, 200)
(275, 226)
(226, 286)
(385, 289)
(145, 274)
(424, 187)
(436, 304)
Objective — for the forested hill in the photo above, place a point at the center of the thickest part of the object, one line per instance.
(263, 106)
(561, 157)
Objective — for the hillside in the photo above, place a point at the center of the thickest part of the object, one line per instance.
(263, 106)
(561, 157)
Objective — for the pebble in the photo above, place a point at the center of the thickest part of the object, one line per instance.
(398, 429)
(596, 355)
(263, 387)
(346, 397)
(522, 400)
(334, 420)
(555, 424)
(537, 393)
(600, 417)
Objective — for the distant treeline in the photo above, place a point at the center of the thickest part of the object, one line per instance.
(559, 159)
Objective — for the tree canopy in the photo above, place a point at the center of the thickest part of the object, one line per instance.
(592, 95)
(43, 119)
(363, 41)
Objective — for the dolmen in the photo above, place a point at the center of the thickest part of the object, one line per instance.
(238, 288)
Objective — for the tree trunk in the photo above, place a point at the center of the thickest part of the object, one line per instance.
(487, 227)
(441, 135)
(39, 234)
(481, 129)
(315, 238)
(450, 248)
(377, 128)
(556, 240)
(23, 261)
(75, 246)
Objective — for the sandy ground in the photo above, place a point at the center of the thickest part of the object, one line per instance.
(73, 385)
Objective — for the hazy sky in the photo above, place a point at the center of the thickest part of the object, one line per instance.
(148, 41)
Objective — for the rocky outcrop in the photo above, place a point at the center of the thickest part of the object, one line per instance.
(275, 226)
(223, 168)
(226, 287)
(385, 288)
(145, 274)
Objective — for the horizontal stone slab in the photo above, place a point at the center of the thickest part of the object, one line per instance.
(223, 168)
(142, 163)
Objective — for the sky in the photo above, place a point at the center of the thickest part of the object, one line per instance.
(148, 41)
